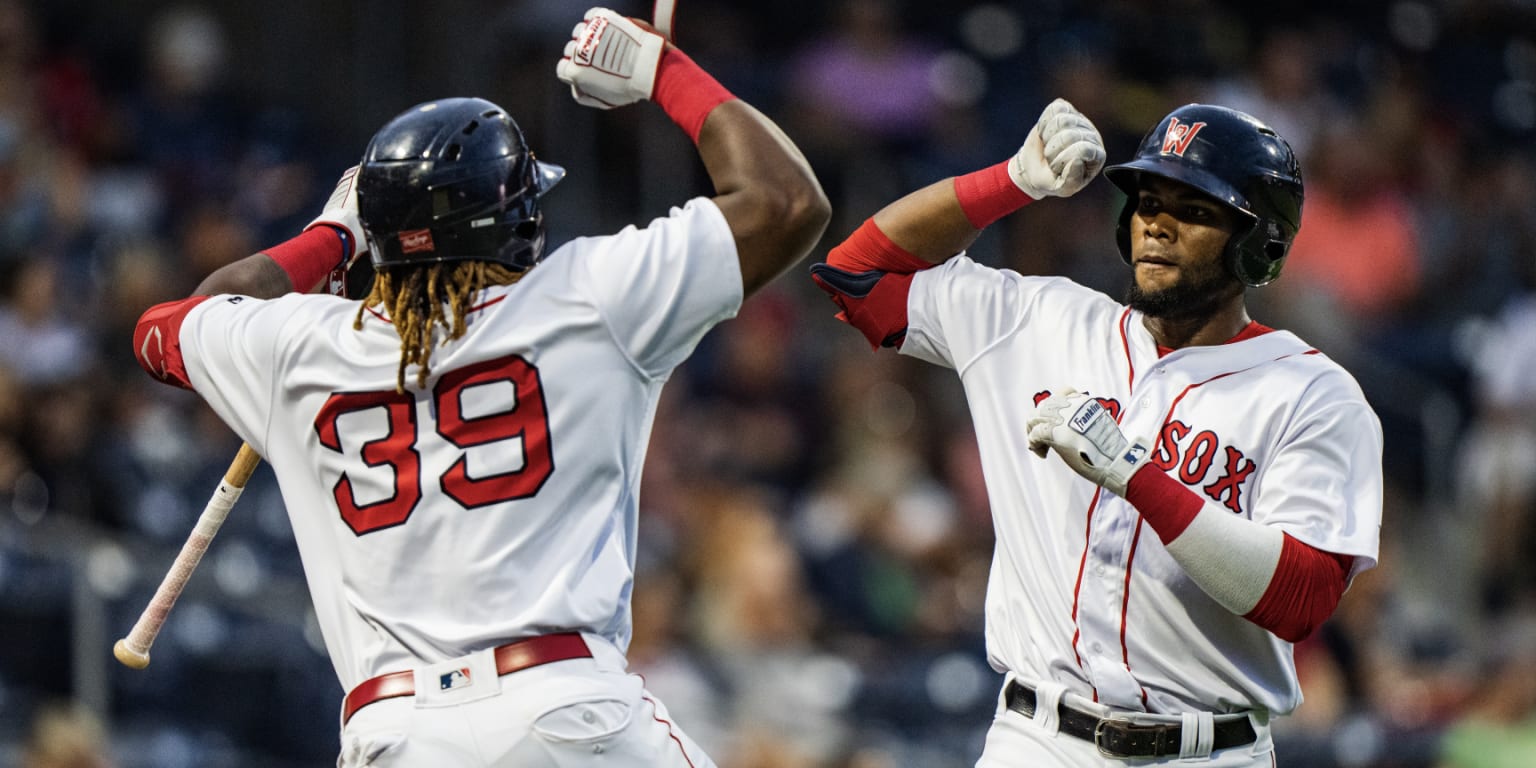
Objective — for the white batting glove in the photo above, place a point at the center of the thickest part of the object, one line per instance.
(341, 212)
(1061, 155)
(610, 61)
(1085, 435)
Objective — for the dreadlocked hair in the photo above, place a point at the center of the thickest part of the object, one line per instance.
(421, 300)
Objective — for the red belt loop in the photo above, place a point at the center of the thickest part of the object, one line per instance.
(512, 657)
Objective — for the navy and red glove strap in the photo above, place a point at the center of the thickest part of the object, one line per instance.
(874, 302)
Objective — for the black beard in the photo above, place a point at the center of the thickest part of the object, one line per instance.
(1197, 296)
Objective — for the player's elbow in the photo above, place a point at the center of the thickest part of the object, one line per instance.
(776, 225)
(804, 210)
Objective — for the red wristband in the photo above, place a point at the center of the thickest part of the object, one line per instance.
(989, 194)
(310, 256)
(686, 92)
(1163, 502)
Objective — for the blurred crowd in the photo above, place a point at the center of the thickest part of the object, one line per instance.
(815, 531)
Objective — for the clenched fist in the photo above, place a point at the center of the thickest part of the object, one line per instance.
(610, 61)
(1085, 435)
(1061, 155)
(340, 213)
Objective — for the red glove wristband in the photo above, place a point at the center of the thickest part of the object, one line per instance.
(989, 194)
(686, 92)
(310, 256)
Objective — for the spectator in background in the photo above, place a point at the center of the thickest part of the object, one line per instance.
(1498, 460)
(867, 80)
(1355, 262)
(1283, 87)
(857, 96)
(756, 619)
(36, 340)
(184, 123)
(1499, 729)
(66, 736)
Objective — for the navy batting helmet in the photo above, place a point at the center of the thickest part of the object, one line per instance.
(453, 180)
(1234, 158)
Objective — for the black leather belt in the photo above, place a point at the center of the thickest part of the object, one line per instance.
(1118, 738)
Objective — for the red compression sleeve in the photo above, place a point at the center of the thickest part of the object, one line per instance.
(1307, 586)
(869, 249)
(686, 92)
(1307, 583)
(989, 194)
(310, 256)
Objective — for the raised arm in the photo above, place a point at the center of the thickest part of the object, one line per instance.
(763, 185)
(1062, 153)
(317, 259)
(765, 188)
(868, 275)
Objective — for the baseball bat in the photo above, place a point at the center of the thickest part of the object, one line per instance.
(133, 650)
(661, 17)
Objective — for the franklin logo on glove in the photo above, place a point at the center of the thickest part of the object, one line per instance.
(1085, 416)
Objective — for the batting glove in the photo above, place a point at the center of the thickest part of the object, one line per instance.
(1085, 435)
(341, 214)
(1061, 155)
(610, 61)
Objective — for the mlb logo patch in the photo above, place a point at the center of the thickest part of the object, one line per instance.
(452, 679)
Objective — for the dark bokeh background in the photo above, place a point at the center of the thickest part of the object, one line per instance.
(816, 535)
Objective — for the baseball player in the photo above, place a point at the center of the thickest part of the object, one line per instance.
(460, 452)
(1215, 484)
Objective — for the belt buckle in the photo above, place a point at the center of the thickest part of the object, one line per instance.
(1098, 740)
(1161, 744)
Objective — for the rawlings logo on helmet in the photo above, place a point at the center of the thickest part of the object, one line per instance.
(416, 241)
(1177, 140)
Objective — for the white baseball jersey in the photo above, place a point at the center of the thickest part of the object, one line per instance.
(500, 501)
(1081, 591)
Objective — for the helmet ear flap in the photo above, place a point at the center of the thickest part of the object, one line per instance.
(1256, 255)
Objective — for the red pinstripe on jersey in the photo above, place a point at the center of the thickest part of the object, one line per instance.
(671, 729)
(1077, 588)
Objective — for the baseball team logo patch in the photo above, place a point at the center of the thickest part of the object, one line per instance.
(457, 678)
(416, 241)
(1177, 139)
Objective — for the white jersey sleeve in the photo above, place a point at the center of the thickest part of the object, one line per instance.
(958, 310)
(1316, 486)
(231, 349)
(648, 284)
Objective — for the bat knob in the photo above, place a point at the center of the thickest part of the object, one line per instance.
(128, 656)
